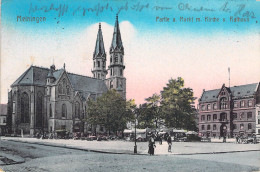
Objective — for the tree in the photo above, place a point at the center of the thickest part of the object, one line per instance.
(111, 111)
(145, 117)
(153, 104)
(177, 105)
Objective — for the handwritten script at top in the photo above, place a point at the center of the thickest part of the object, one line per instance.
(62, 9)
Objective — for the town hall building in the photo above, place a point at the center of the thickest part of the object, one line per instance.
(230, 111)
(50, 99)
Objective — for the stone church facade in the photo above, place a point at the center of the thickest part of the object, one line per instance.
(229, 111)
(50, 99)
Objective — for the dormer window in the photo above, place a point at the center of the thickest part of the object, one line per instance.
(235, 104)
(208, 107)
(215, 106)
(242, 103)
(203, 107)
(250, 103)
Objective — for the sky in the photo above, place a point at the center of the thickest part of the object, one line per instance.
(155, 49)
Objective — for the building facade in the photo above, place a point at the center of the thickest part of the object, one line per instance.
(229, 111)
(3, 119)
(50, 99)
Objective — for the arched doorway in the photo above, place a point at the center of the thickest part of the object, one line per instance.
(223, 130)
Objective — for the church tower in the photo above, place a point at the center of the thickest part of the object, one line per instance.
(116, 68)
(99, 57)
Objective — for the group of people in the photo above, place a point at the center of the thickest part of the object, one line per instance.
(152, 146)
(244, 139)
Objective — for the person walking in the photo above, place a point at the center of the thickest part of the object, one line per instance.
(169, 141)
(160, 139)
(151, 145)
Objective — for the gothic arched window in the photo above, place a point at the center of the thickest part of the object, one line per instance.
(68, 90)
(64, 111)
(77, 110)
(39, 108)
(50, 110)
(64, 86)
(60, 89)
(25, 108)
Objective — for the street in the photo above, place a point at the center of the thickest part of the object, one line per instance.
(48, 158)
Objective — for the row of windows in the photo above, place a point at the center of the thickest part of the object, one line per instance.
(242, 115)
(215, 117)
(242, 103)
(224, 116)
(64, 88)
(112, 73)
(241, 126)
(99, 64)
(64, 110)
(116, 59)
(98, 76)
(224, 104)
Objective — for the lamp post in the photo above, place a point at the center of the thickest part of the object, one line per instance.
(135, 147)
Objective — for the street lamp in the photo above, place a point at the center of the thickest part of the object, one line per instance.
(135, 147)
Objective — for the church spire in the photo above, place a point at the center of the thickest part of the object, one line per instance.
(116, 41)
(99, 49)
(99, 57)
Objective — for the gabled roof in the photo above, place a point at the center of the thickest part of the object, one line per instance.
(87, 84)
(38, 76)
(236, 91)
(100, 48)
(116, 41)
(33, 76)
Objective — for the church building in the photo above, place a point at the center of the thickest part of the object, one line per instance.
(50, 99)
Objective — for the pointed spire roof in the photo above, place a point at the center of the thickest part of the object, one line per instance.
(99, 49)
(116, 41)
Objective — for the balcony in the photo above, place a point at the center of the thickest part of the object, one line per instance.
(223, 120)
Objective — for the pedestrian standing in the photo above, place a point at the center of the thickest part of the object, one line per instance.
(169, 141)
(151, 145)
(237, 138)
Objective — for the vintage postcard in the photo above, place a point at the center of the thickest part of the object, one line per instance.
(89, 85)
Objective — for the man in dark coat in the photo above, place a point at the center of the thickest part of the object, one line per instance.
(151, 145)
(169, 141)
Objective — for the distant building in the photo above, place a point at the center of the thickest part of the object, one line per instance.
(257, 127)
(3, 117)
(50, 99)
(229, 111)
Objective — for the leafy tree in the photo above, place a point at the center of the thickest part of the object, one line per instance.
(153, 104)
(177, 105)
(145, 116)
(111, 111)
